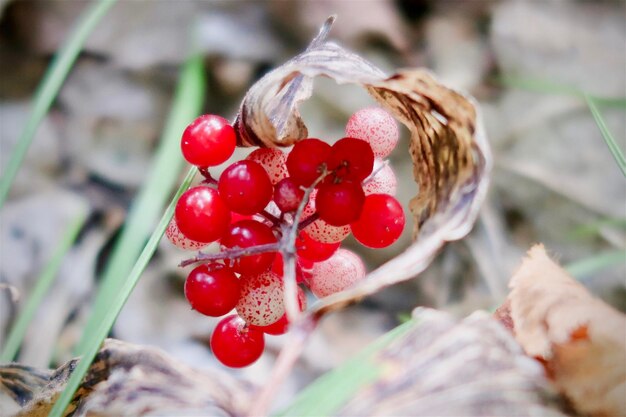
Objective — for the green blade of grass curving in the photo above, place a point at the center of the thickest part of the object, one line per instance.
(586, 267)
(332, 390)
(49, 88)
(606, 134)
(45, 280)
(107, 317)
(152, 198)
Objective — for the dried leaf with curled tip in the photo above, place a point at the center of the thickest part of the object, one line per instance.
(581, 340)
(448, 147)
(128, 380)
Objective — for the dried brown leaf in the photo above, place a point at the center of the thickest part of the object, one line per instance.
(581, 339)
(448, 368)
(128, 380)
(450, 153)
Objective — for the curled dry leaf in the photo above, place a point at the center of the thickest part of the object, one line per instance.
(580, 339)
(127, 380)
(450, 153)
(436, 366)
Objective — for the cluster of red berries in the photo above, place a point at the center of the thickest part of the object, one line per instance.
(257, 202)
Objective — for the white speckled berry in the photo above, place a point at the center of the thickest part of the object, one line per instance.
(376, 126)
(261, 299)
(384, 182)
(273, 160)
(176, 237)
(339, 272)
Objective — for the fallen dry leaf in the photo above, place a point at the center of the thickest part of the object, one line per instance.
(580, 339)
(127, 380)
(450, 153)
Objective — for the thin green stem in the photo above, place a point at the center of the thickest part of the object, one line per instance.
(116, 303)
(49, 88)
(606, 135)
(586, 267)
(151, 200)
(45, 280)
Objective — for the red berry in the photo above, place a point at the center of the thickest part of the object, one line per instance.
(201, 215)
(208, 141)
(282, 324)
(212, 290)
(339, 272)
(261, 298)
(313, 250)
(288, 195)
(375, 126)
(320, 230)
(176, 237)
(245, 234)
(351, 159)
(381, 221)
(306, 160)
(245, 187)
(273, 160)
(340, 204)
(236, 344)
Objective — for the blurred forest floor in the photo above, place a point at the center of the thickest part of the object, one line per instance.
(554, 180)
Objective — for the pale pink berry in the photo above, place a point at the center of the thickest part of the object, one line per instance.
(273, 160)
(382, 182)
(375, 126)
(176, 237)
(261, 298)
(339, 272)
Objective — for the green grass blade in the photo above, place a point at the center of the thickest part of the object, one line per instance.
(594, 228)
(45, 280)
(107, 317)
(606, 134)
(151, 200)
(49, 88)
(332, 390)
(587, 267)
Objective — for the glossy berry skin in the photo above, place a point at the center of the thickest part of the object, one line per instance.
(339, 272)
(273, 160)
(176, 237)
(201, 215)
(319, 230)
(236, 344)
(212, 290)
(245, 234)
(381, 221)
(340, 204)
(208, 141)
(306, 159)
(288, 195)
(245, 187)
(311, 249)
(375, 126)
(261, 298)
(351, 159)
(282, 324)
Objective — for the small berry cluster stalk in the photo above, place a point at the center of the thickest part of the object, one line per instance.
(278, 215)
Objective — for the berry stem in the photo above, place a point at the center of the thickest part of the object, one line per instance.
(208, 178)
(288, 251)
(306, 222)
(376, 171)
(269, 216)
(231, 254)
